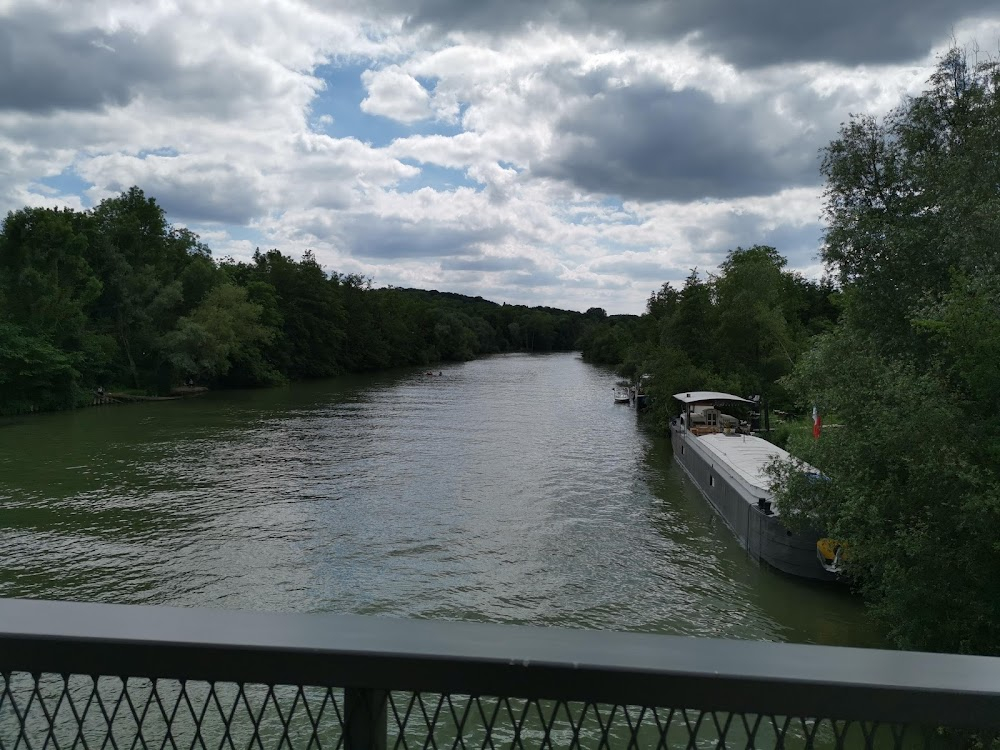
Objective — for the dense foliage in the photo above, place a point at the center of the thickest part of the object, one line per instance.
(913, 369)
(738, 330)
(117, 298)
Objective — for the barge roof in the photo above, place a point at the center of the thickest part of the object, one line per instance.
(695, 397)
(747, 456)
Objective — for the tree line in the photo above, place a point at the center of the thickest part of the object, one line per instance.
(739, 329)
(900, 345)
(117, 298)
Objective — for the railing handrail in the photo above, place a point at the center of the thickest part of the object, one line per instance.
(487, 659)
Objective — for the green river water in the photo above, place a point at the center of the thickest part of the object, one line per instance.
(510, 489)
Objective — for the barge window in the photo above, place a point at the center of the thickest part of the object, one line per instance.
(711, 481)
(682, 450)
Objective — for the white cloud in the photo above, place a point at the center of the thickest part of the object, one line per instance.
(395, 94)
(209, 107)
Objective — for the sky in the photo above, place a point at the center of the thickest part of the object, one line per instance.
(573, 153)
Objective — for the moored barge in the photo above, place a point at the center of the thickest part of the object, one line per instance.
(728, 466)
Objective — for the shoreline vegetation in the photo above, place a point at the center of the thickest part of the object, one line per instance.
(115, 300)
(175, 394)
(899, 346)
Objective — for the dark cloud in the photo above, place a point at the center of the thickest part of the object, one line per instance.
(43, 69)
(538, 277)
(848, 32)
(488, 264)
(640, 270)
(188, 190)
(208, 203)
(799, 244)
(649, 143)
(396, 239)
(748, 34)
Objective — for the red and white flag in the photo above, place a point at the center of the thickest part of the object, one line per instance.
(817, 422)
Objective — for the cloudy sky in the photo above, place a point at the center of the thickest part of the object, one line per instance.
(573, 153)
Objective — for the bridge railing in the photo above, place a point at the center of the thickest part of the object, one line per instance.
(110, 676)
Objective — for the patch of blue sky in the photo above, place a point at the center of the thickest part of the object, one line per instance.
(622, 214)
(436, 177)
(233, 232)
(67, 182)
(162, 151)
(243, 233)
(341, 100)
(598, 213)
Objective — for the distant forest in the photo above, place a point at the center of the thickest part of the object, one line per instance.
(117, 298)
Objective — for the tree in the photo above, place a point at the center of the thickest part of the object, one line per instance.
(47, 287)
(143, 264)
(118, 297)
(910, 371)
(34, 374)
(663, 303)
(312, 314)
(914, 197)
(690, 327)
(756, 338)
(224, 329)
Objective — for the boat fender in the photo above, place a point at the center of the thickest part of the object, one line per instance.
(830, 550)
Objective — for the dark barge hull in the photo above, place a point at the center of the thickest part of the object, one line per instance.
(762, 535)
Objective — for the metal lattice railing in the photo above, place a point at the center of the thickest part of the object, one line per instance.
(106, 676)
(55, 711)
(66, 711)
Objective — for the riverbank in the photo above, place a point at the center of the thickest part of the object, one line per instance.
(122, 397)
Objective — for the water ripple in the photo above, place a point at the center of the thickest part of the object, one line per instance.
(511, 489)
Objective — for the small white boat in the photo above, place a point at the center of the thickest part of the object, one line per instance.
(622, 396)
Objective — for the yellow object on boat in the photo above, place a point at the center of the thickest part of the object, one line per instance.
(830, 550)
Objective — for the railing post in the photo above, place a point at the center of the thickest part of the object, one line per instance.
(365, 719)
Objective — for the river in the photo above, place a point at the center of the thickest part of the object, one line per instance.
(508, 489)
